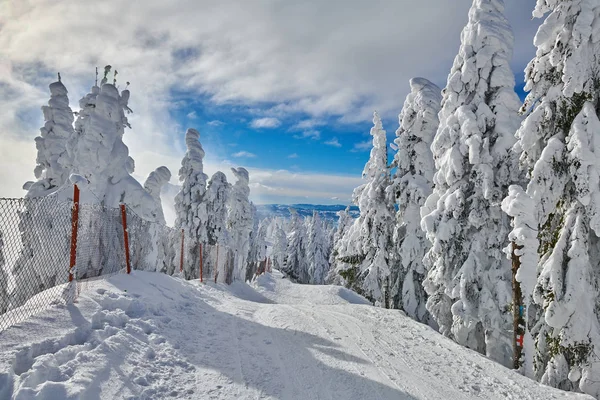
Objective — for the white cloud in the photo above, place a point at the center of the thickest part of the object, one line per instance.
(192, 115)
(307, 124)
(293, 155)
(311, 134)
(254, 53)
(333, 142)
(362, 146)
(246, 154)
(267, 122)
(215, 122)
(247, 53)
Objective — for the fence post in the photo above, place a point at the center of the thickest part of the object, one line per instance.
(181, 257)
(217, 264)
(125, 237)
(74, 226)
(200, 246)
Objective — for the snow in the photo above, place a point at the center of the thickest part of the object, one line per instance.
(149, 335)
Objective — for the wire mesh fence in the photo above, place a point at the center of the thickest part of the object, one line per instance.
(34, 247)
(47, 242)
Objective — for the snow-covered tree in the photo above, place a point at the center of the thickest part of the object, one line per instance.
(344, 223)
(216, 200)
(279, 247)
(316, 251)
(559, 148)
(258, 247)
(153, 185)
(45, 209)
(296, 264)
(240, 220)
(411, 185)
(468, 278)
(100, 156)
(53, 161)
(190, 204)
(367, 245)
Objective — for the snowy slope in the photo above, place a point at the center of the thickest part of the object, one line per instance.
(151, 336)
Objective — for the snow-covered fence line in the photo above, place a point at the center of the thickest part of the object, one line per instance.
(34, 254)
(51, 247)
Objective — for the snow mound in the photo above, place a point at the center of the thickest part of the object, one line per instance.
(152, 336)
(282, 291)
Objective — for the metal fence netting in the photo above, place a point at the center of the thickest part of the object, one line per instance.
(53, 247)
(35, 236)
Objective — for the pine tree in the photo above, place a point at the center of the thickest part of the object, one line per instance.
(190, 204)
(367, 245)
(344, 223)
(279, 247)
(296, 265)
(36, 270)
(258, 247)
(559, 149)
(411, 185)
(316, 252)
(216, 200)
(53, 161)
(153, 185)
(240, 220)
(468, 279)
(100, 156)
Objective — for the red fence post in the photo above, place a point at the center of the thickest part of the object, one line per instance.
(181, 257)
(217, 265)
(200, 245)
(125, 237)
(74, 225)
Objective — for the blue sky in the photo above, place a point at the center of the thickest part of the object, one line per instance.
(285, 89)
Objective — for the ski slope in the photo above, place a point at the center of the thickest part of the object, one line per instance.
(151, 336)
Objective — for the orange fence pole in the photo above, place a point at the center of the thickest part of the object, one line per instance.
(200, 246)
(125, 237)
(74, 225)
(217, 265)
(181, 258)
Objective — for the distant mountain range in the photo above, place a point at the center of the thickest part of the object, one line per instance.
(326, 212)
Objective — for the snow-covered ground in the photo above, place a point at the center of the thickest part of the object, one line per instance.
(152, 336)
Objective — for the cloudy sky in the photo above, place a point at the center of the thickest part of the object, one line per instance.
(284, 88)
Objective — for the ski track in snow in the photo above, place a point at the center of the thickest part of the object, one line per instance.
(151, 336)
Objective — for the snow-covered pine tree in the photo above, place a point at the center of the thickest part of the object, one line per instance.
(279, 247)
(153, 185)
(215, 201)
(412, 183)
(559, 148)
(469, 279)
(344, 223)
(53, 161)
(367, 245)
(316, 251)
(102, 158)
(296, 265)
(240, 220)
(258, 247)
(190, 204)
(45, 211)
